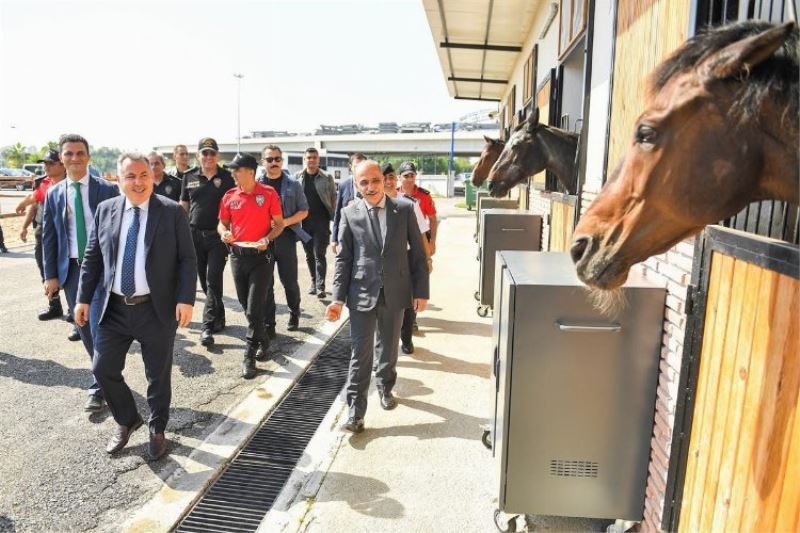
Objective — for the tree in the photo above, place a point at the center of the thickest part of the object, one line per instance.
(39, 154)
(105, 159)
(15, 155)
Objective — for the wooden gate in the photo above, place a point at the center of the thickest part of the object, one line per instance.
(736, 446)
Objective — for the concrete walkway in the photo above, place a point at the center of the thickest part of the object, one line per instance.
(421, 467)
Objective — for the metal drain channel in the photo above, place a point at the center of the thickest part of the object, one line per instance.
(243, 494)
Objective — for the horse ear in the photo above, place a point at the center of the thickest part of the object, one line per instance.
(533, 118)
(745, 54)
(488, 139)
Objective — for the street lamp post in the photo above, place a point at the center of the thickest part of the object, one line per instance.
(238, 111)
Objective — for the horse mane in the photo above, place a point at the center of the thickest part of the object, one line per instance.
(775, 78)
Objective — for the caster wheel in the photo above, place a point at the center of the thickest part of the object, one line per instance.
(486, 439)
(483, 311)
(510, 526)
(477, 295)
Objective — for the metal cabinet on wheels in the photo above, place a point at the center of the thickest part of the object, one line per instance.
(503, 229)
(575, 390)
(487, 202)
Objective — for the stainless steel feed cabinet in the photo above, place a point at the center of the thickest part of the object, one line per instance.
(487, 202)
(503, 229)
(575, 390)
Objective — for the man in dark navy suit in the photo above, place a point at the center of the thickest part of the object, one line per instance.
(69, 210)
(141, 259)
(345, 195)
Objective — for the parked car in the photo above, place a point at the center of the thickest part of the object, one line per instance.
(16, 178)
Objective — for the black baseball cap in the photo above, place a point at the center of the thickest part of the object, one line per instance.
(50, 156)
(406, 167)
(387, 168)
(242, 160)
(207, 143)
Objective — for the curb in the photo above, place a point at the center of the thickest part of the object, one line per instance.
(197, 471)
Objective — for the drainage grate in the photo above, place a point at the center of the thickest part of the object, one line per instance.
(245, 491)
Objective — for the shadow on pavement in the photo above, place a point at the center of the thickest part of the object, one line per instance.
(364, 495)
(428, 360)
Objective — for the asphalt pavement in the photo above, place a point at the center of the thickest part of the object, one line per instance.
(55, 473)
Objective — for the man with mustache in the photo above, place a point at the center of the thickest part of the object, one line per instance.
(201, 193)
(284, 248)
(141, 259)
(163, 183)
(381, 269)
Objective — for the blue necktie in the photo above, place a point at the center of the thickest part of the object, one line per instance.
(128, 281)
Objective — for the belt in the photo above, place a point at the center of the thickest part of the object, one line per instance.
(204, 232)
(244, 252)
(129, 300)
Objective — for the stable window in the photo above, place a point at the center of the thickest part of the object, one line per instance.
(572, 24)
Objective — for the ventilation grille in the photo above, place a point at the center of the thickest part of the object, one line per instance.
(565, 468)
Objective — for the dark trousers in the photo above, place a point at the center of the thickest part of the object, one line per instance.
(211, 256)
(87, 331)
(407, 329)
(284, 250)
(374, 333)
(320, 231)
(121, 325)
(37, 253)
(251, 275)
(2, 239)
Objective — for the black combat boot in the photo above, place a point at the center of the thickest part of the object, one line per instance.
(249, 363)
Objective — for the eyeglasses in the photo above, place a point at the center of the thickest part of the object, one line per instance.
(271, 159)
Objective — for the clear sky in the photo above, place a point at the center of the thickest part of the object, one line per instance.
(134, 75)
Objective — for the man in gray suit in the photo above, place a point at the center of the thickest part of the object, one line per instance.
(381, 269)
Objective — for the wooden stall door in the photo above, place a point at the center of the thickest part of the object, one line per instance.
(743, 461)
(562, 221)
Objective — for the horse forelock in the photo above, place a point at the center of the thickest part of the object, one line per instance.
(774, 79)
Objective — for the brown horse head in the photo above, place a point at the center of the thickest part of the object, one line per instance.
(532, 148)
(719, 130)
(491, 151)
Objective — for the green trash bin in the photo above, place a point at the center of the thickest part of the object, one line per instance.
(471, 193)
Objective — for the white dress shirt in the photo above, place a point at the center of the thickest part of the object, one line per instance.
(140, 275)
(88, 215)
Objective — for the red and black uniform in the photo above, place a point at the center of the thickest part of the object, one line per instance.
(425, 202)
(250, 217)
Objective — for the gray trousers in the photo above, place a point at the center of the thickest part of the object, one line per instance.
(374, 334)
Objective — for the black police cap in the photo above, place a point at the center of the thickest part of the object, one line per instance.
(407, 166)
(242, 161)
(50, 156)
(387, 168)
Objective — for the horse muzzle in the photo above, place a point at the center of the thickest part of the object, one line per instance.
(597, 267)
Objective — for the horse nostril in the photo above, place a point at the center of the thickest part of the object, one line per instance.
(578, 248)
(491, 185)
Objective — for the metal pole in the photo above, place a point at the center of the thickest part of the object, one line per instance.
(451, 164)
(238, 111)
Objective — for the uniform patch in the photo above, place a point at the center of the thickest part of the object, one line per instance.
(217, 182)
(168, 189)
(234, 205)
(260, 200)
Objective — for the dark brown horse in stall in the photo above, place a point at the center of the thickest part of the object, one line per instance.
(491, 151)
(532, 148)
(719, 131)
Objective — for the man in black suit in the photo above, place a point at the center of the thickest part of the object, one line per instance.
(381, 269)
(141, 258)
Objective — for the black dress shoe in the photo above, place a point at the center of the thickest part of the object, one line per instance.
(407, 347)
(69, 318)
(157, 447)
(94, 404)
(294, 322)
(312, 290)
(75, 335)
(121, 436)
(54, 311)
(3, 248)
(206, 338)
(271, 332)
(354, 425)
(321, 294)
(388, 401)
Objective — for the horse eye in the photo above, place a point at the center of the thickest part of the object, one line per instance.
(646, 135)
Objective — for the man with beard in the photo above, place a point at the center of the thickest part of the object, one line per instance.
(320, 192)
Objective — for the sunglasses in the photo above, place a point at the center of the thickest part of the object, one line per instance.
(271, 159)
(208, 153)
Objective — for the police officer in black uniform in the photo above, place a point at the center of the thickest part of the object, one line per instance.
(181, 156)
(163, 183)
(201, 193)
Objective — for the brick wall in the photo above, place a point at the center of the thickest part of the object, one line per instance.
(673, 269)
(540, 204)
